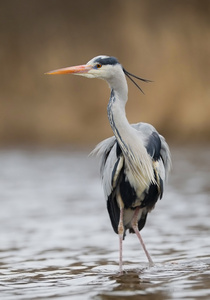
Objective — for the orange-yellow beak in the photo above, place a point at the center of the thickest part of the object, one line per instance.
(71, 70)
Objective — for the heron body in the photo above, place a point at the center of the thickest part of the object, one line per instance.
(135, 162)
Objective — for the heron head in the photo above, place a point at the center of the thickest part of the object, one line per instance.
(103, 67)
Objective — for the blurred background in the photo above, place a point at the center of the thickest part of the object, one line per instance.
(56, 238)
(164, 41)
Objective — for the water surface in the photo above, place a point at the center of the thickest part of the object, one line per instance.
(56, 240)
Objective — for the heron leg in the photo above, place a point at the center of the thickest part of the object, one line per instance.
(134, 225)
(120, 233)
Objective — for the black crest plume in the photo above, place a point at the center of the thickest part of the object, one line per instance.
(129, 75)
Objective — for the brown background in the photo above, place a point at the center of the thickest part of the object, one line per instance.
(165, 41)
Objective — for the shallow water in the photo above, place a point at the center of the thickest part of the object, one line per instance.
(56, 241)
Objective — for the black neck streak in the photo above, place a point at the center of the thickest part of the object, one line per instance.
(121, 143)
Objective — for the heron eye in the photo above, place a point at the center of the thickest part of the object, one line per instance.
(98, 66)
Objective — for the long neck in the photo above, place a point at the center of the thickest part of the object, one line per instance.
(130, 142)
(123, 131)
(117, 117)
(116, 106)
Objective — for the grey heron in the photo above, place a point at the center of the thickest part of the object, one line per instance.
(135, 162)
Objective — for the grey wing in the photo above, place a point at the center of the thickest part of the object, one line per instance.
(157, 148)
(112, 159)
(159, 151)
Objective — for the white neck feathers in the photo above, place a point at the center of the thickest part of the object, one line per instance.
(137, 159)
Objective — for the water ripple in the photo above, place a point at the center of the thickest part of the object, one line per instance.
(56, 240)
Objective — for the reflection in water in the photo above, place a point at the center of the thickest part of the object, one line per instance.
(56, 240)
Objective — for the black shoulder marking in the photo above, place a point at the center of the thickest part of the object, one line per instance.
(107, 61)
(127, 192)
(153, 146)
